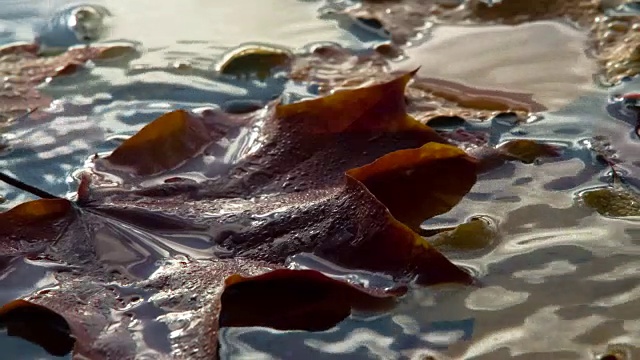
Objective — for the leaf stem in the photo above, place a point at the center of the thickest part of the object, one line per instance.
(26, 187)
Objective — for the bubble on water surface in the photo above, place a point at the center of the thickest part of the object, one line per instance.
(78, 24)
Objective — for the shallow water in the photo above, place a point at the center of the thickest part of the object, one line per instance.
(560, 282)
(554, 68)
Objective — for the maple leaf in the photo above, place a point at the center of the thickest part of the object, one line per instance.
(348, 177)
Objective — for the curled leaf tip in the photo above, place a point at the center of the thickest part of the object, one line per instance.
(35, 212)
(287, 299)
(417, 184)
(39, 325)
(33, 222)
(163, 144)
(376, 108)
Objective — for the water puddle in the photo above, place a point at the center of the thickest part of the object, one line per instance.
(556, 266)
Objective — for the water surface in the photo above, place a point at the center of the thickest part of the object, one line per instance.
(561, 281)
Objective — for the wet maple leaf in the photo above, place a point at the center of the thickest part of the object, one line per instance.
(253, 59)
(527, 151)
(346, 177)
(490, 156)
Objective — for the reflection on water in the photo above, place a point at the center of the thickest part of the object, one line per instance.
(20, 277)
(562, 282)
(553, 65)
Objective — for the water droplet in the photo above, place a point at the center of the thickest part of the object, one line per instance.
(533, 118)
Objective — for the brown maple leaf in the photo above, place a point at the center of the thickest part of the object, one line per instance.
(348, 177)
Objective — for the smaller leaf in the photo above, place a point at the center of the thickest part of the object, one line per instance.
(296, 300)
(473, 235)
(39, 325)
(616, 201)
(32, 222)
(115, 51)
(528, 151)
(390, 51)
(252, 59)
